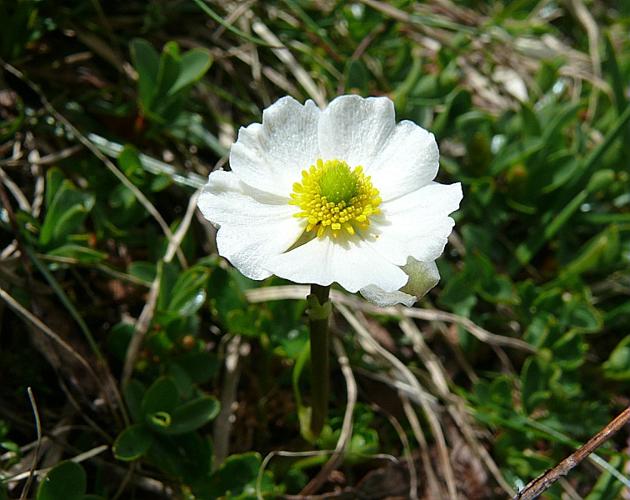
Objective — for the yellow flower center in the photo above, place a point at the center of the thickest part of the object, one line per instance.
(333, 197)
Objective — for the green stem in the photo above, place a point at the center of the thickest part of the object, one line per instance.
(319, 314)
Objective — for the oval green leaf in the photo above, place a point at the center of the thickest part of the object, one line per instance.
(65, 481)
(132, 443)
(192, 415)
(162, 396)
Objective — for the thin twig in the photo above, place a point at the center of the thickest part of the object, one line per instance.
(541, 483)
(38, 428)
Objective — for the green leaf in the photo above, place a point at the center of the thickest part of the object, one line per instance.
(83, 254)
(598, 253)
(193, 66)
(162, 396)
(569, 351)
(132, 443)
(617, 367)
(531, 125)
(133, 393)
(54, 179)
(357, 76)
(130, 163)
(533, 387)
(615, 74)
(168, 73)
(65, 481)
(118, 342)
(572, 197)
(200, 366)
(182, 380)
(582, 316)
(364, 442)
(185, 456)
(145, 271)
(192, 415)
(67, 210)
(515, 152)
(607, 486)
(146, 62)
(188, 294)
(236, 476)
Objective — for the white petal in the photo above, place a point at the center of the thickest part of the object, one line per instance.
(254, 225)
(354, 129)
(423, 276)
(352, 264)
(271, 156)
(416, 224)
(408, 161)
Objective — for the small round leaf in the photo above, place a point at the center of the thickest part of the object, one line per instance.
(132, 443)
(65, 481)
(192, 415)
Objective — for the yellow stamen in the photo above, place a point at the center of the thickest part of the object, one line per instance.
(332, 197)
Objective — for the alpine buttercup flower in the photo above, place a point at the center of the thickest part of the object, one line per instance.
(341, 195)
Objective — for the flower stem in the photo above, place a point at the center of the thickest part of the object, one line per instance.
(319, 308)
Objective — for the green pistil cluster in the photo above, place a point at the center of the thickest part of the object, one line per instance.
(332, 197)
(338, 183)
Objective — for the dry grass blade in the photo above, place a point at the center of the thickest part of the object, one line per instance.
(413, 473)
(285, 55)
(389, 10)
(300, 292)
(455, 404)
(372, 345)
(410, 382)
(433, 486)
(38, 428)
(459, 416)
(290, 454)
(14, 189)
(427, 407)
(81, 457)
(442, 448)
(586, 19)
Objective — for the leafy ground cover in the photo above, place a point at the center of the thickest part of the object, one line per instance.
(157, 371)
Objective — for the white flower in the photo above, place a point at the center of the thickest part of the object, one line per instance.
(342, 195)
